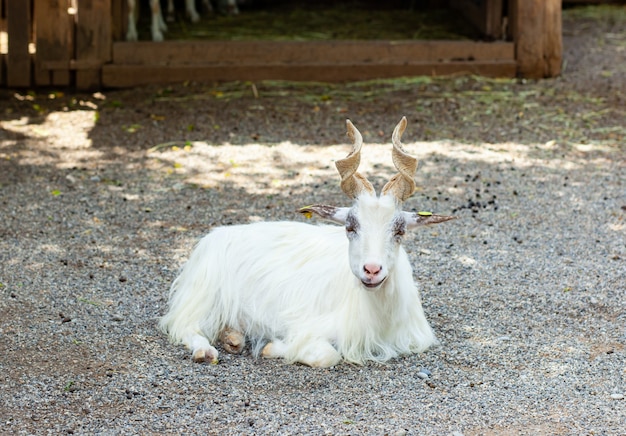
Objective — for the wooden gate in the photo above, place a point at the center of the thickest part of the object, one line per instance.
(78, 43)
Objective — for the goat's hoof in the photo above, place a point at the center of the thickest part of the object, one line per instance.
(202, 356)
(233, 341)
(273, 350)
(267, 351)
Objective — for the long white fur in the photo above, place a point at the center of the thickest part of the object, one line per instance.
(292, 285)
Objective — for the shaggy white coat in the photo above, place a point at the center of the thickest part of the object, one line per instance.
(296, 287)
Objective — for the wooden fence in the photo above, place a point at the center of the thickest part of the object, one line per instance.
(78, 43)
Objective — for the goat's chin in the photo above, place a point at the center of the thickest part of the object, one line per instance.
(371, 286)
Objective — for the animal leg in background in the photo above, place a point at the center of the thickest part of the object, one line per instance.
(157, 26)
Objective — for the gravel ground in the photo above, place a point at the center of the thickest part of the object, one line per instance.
(103, 195)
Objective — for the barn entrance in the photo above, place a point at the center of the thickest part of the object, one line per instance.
(82, 44)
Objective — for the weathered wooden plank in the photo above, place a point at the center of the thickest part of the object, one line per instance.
(529, 27)
(54, 41)
(2, 68)
(340, 52)
(19, 30)
(119, 18)
(119, 76)
(93, 39)
(536, 26)
(495, 10)
(174, 61)
(73, 64)
(3, 30)
(553, 38)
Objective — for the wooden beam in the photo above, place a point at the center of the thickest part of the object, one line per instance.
(93, 40)
(72, 65)
(119, 76)
(536, 27)
(553, 38)
(3, 28)
(2, 68)
(528, 27)
(119, 18)
(19, 30)
(54, 30)
(294, 52)
(138, 63)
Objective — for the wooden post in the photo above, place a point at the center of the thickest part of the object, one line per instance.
(93, 41)
(553, 39)
(19, 30)
(536, 29)
(119, 19)
(3, 28)
(54, 29)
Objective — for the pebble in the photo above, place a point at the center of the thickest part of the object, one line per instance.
(426, 371)
(422, 375)
(617, 396)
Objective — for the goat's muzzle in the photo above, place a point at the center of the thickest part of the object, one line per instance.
(368, 284)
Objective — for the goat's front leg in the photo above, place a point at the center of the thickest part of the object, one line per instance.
(201, 349)
(317, 353)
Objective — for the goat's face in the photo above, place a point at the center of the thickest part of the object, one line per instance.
(375, 228)
(375, 225)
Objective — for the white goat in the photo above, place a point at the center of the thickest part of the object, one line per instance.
(306, 293)
(158, 25)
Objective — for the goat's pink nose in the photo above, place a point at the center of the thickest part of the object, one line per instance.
(371, 269)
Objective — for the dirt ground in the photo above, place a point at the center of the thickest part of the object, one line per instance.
(102, 196)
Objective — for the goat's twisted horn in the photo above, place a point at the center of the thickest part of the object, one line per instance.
(402, 184)
(353, 183)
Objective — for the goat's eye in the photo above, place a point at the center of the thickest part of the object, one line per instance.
(399, 228)
(352, 225)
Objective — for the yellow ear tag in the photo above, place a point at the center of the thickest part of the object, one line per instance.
(425, 213)
(307, 213)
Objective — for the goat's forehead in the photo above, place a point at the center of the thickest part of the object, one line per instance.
(375, 208)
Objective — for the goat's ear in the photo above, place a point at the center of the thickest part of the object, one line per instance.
(417, 219)
(332, 213)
